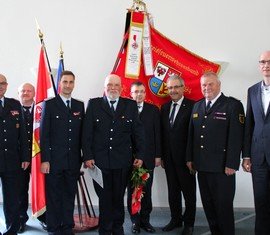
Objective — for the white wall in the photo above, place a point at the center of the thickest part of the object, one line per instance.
(91, 33)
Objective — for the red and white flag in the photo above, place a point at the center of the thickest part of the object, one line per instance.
(168, 58)
(44, 89)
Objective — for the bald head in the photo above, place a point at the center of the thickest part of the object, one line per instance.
(3, 78)
(3, 85)
(112, 86)
(26, 93)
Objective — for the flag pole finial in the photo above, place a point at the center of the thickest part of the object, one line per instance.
(139, 5)
(40, 34)
(61, 50)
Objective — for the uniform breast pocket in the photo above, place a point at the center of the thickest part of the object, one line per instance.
(15, 121)
(126, 125)
(97, 123)
(220, 116)
(57, 120)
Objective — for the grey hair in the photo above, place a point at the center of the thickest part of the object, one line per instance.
(176, 77)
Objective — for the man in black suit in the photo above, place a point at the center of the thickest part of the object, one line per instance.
(13, 156)
(61, 128)
(150, 117)
(112, 132)
(214, 147)
(256, 154)
(175, 116)
(26, 94)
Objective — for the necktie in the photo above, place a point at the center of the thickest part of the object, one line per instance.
(112, 107)
(171, 118)
(208, 106)
(1, 107)
(27, 110)
(68, 105)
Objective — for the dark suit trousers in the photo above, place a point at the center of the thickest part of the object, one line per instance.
(61, 188)
(261, 187)
(10, 190)
(23, 196)
(143, 216)
(217, 193)
(180, 181)
(111, 201)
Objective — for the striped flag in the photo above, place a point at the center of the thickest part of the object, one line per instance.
(59, 72)
(44, 89)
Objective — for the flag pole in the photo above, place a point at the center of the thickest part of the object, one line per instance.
(40, 35)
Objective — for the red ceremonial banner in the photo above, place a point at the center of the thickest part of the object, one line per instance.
(44, 89)
(168, 58)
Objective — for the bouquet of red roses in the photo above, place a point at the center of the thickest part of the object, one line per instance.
(139, 178)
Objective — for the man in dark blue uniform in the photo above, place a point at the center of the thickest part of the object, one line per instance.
(112, 132)
(13, 155)
(214, 147)
(150, 117)
(61, 129)
(175, 116)
(26, 94)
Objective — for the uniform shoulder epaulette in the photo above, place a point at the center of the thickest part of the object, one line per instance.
(199, 99)
(233, 98)
(49, 98)
(14, 100)
(78, 100)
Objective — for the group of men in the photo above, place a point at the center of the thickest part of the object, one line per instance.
(117, 134)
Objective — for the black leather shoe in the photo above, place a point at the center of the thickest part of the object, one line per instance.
(43, 225)
(135, 228)
(187, 231)
(148, 228)
(22, 228)
(172, 225)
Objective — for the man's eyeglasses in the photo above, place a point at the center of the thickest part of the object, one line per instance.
(264, 62)
(174, 87)
(3, 83)
(138, 92)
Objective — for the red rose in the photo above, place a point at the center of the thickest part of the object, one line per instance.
(145, 176)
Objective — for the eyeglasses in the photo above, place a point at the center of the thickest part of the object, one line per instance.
(174, 87)
(3, 83)
(138, 92)
(264, 62)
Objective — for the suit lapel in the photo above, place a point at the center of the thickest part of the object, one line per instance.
(120, 107)
(216, 104)
(61, 104)
(180, 110)
(105, 106)
(144, 110)
(167, 113)
(6, 108)
(258, 95)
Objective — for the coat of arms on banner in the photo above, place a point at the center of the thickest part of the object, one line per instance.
(157, 83)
